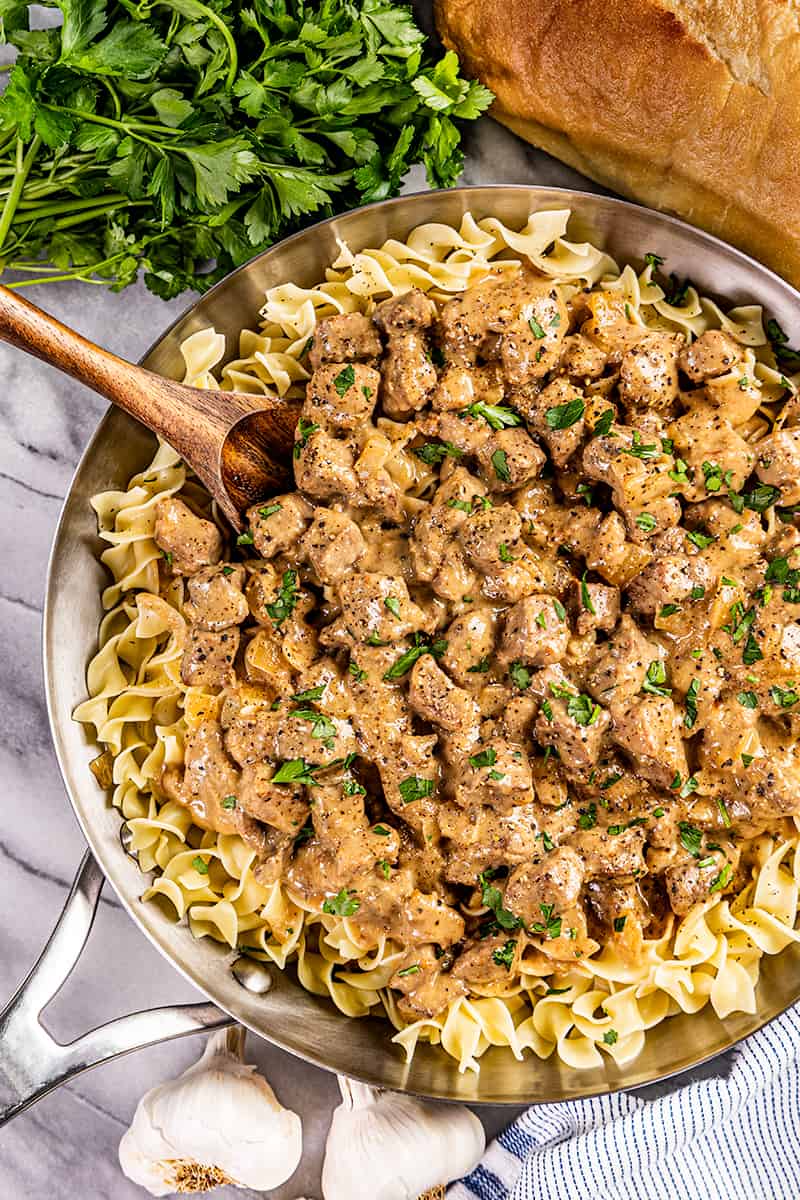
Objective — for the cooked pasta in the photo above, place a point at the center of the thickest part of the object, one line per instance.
(143, 710)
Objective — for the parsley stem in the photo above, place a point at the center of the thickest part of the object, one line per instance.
(24, 164)
(128, 127)
(112, 91)
(34, 212)
(217, 20)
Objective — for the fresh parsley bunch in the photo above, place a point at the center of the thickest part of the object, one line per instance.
(183, 137)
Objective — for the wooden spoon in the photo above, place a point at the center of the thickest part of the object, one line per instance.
(238, 444)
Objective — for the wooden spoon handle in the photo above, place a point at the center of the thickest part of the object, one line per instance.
(169, 409)
(29, 328)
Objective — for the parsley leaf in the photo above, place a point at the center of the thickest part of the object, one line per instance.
(562, 416)
(219, 128)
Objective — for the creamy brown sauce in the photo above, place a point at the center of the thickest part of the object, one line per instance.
(512, 674)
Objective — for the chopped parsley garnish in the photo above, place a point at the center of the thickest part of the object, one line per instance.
(322, 727)
(560, 611)
(381, 830)
(779, 341)
(344, 904)
(691, 704)
(783, 697)
(462, 505)
(304, 432)
(229, 802)
(586, 491)
(345, 379)
(668, 610)
(723, 810)
(270, 510)
(355, 670)
(505, 554)
(414, 787)
(713, 476)
(385, 868)
(700, 539)
(311, 695)
(602, 425)
(760, 498)
(697, 593)
(740, 621)
(294, 770)
(536, 328)
(351, 787)
(610, 1037)
(498, 416)
(583, 710)
(563, 416)
(406, 660)
(492, 898)
(752, 651)
(283, 606)
(676, 291)
(691, 838)
(412, 970)
(551, 923)
(654, 261)
(200, 865)
(680, 472)
(435, 452)
(520, 676)
(655, 681)
(485, 758)
(684, 789)
(647, 451)
(748, 699)
(500, 464)
(719, 883)
(586, 597)
(504, 956)
(480, 668)
(646, 522)
(393, 605)
(587, 818)
(619, 924)
(245, 539)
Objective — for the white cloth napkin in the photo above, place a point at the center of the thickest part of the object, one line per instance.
(732, 1136)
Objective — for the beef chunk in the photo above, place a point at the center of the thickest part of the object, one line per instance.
(341, 396)
(333, 544)
(536, 631)
(216, 600)
(278, 524)
(208, 658)
(342, 338)
(188, 541)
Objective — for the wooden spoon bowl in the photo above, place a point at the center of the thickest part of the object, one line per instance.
(239, 445)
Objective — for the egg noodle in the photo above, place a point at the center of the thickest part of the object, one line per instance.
(140, 708)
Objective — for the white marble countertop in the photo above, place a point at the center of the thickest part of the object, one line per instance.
(67, 1144)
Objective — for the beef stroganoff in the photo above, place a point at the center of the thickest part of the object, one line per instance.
(489, 725)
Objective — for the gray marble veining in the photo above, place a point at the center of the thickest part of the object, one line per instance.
(66, 1146)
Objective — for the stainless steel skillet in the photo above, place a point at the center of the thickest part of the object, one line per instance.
(30, 1062)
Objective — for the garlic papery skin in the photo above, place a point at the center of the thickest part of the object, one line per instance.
(386, 1146)
(219, 1122)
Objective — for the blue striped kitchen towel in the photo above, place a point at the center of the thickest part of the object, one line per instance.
(733, 1135)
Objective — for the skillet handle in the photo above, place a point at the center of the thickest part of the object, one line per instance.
(32, 1063)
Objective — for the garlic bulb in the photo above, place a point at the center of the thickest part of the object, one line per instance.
(384, 1146)
(219, 1122)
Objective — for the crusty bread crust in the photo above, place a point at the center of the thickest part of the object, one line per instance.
(690, 106)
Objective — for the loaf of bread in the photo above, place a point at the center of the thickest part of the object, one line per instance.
(689, 106)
